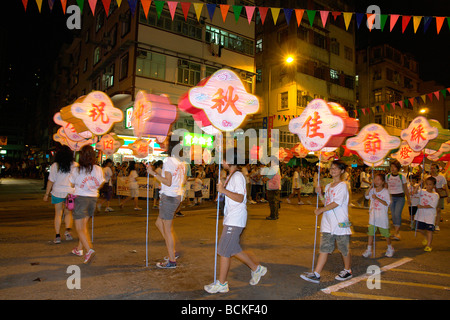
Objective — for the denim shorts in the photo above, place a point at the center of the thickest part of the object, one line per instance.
(328, 240)
(84, 207)
(168, 206)
(397, 205)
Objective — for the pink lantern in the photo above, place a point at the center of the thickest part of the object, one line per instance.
(299, 151)
(223, 99)
(444, 149)
(419, 133)
(405, 155)
(153, 115)
(285, 155)
(140, 148)
(323, 126)
(62, 138)
(69, 129)
(373, 144)
(109, 144)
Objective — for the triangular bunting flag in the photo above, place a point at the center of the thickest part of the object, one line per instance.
(288, 14)
(106, 5)
(424, 98)
(448, 89)
(172, 8)
(382, 108)
(249, 10)
(416, 22)
(439, 22)
(406, 102)
(324, 17)
(263, 13)
(364, 111)
(50, 4)
(383, 19)
(133, 5)
(311, 14)
(146, 6)
(159, 5)
(436, 94)
(388, 106)
(401, 103)
(370, 20)
(359, 17)
(374, 109)
(25, 3)
(211, 8)
(119, 2)
(393, 21)
(224, 9)
(430, 96)
(198, 6)
(393, 105)
(444, 93)
(185, 6)
(237, 12)
(405, 21)
(335, 14)
(347, 18)
(299, 15)
(275, 14)
(39, 4)
(426, 23)
(92, 4)
(411, 100)
(63, 5)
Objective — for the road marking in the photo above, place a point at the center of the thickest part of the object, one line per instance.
(424, 272)
(366, 296)
(352, 281)
(414, 284)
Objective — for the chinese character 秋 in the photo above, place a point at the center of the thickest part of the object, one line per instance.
(221, 99)
(98, 112)
(372, 143)
(416, 133)
(312, 125)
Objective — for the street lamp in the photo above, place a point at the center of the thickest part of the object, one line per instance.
(289, 59)
(424, 111)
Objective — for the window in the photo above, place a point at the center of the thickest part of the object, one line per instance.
(377, 74)
(320, 40)
(96, 84)
(259, 45)
(334, 76)
(282, 36)
(108, 77)
(302, 98)
(97, 55)
(377, 94)
(389, 120)
(378, 119)
(126, 24)
(123, 67)
(75, 78)
(150, 65)
(348, 53)
(85, 65)
(229, 41)
(284, 100)
(349, 82)
(99, 20)
(408, 83)
(210, 71)
(258, 75)
(335, 47)
(302, 33)
(188, 72)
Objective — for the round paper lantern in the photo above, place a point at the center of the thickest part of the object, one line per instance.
(285, 155)
(69, 129)
(323, 126)
(141, 148)
(419, 133)
(299, 151)
(109, 144)
(373, 144)
(443, 150)
(405, 155)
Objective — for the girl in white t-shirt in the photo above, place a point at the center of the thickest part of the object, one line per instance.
(413, 188)
(198, 185)
(132, 186)
(296, 186)
(378, 214)
(426, 212)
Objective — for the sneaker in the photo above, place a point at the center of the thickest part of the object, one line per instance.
(57, 240)
(137, 209)
(68, 236)
(217, 287)
(436, 228)
(252, 202)
(300, 202)
(109, 209)
(177, 255)
(89, 256)
(288, 200)
(257, 274)
(167, 265)
(179, 214)
(344, 275)
(427, 249)
(264, 201)
(77, 252)
(271, 218)
(311, 277)
(397, 236)
(424, 242)
(390, 252)
(367, 253)
(155, 207)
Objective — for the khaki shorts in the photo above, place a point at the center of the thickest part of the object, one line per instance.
(84, 207)
(328, 240)
(229, 241)
(168, 206)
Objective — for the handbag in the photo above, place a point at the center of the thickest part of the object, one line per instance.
(70, 202)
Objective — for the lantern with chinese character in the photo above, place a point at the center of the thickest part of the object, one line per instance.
(419, 133)
(69, 129)
(373, 144)
(405, 155)
(153, 115)
(62, 138)
(109, 144)
(443, 150)
(141, 148)
(285, 154)
(323, 126)
(299, 151)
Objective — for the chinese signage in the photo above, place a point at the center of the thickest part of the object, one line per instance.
(195, 139)
(419, 133)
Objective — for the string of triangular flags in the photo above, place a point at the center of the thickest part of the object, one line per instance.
(357, 112)
(263, 13)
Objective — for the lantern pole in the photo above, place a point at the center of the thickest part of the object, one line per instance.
(374, 217)
(146, 230)
(317, 207)
(421, 187)
(219, 149)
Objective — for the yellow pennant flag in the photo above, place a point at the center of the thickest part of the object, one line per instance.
(416, 22)
(347, 18)
(198, 6)
(275, 13)
(119, 2)
(39, 4)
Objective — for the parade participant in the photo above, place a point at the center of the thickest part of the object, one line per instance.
(334, 226)
(107, 189)
(426, 212)
(398, 188)
(378, 214)
(172, 180)
(132, 186)
(296, 186)
(157, 167)
(234, 222)
(413, 188)
(60, 186)
(273, 188)
(442, 190)
(87, 179)
(365, 183)
(198, 185)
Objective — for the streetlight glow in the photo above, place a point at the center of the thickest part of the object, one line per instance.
(289, 59)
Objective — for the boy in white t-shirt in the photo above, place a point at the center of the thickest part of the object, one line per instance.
(296, 186)
(426, 212)
(413, 188)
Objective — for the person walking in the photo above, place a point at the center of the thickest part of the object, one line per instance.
(87, 179)
(59, 186)
(132, 186)
(273, 188)
(296, 186)
(107, 190)
(234, 222)
(426, 212)
(442, 190)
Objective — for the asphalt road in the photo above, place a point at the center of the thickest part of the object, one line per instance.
(31, 267)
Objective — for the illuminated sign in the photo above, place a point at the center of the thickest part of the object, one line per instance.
(128, 114)
(196, 139)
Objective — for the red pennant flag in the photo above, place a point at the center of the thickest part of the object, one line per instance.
(393, 105)
(364, 111)
(436, 94)
(64, 5)
(401, 103)
(405, 21)
(263, 13)
(224, 9)
(92, 4)
(299, 15)
(370, 20)
(411, 100)
(324, 17)
(335, 14)
(25, 3)
(382, 107)
(106, 5)
(249, 10)
(172, 8)
(146, 6)
(185, 7)
(439, 22)
(393, 21)
(430, 96)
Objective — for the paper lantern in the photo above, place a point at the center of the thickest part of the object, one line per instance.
(325, 156)
(285, 155)
(419, 133)
(443, 135)
(405, 155)
(223, 99)
(141, 148)
(323, 126)
(94, 112)
(443, 150)
(69, 129)
(299, 151)
(373, 144)
(153, 115)
(61, 137)
(109, 144)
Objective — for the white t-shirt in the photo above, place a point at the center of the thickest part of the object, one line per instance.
(378, 212)
(395, 183)
(415, 197)
(364, 176)
(235, 213)
(178, 171)
(107, 172)
(198, 184)
(440, 180)
(157, 182)
(332, 218)
(427, 215)
(132, 182)
(296, 180)
(87, 183)
(61, 181)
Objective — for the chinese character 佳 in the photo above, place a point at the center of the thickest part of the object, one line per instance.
(223, 102)
(416, 133)
(372, 143)
(312, 126)
(98, 112)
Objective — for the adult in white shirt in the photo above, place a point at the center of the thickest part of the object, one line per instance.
(441, 189)
(173, 179)
(87, 179)
(133, 187)
(296, 186)
(60, 186)
(107, 190)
